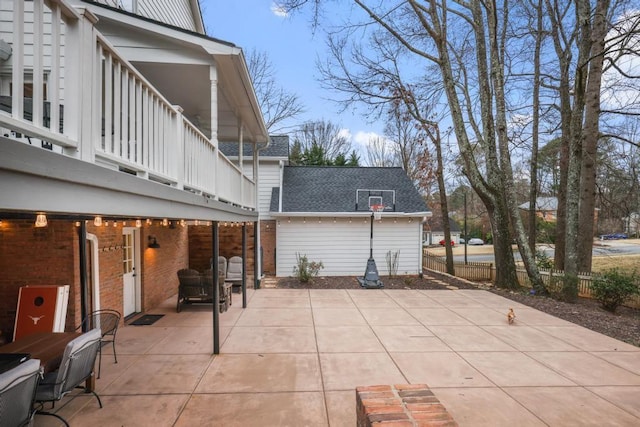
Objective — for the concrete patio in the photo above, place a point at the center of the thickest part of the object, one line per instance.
(294, 358)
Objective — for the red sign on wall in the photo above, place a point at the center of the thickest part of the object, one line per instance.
(41, 309)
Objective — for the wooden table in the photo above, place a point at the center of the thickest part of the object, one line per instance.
(46, 346)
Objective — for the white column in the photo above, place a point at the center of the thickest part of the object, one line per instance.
(79, 66)
(213, 77)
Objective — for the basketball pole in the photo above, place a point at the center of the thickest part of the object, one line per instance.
(371, 238)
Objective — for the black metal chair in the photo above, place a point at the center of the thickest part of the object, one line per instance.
(76, 367)
(107, 320)
(17, 391)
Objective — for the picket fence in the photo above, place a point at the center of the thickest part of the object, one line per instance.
(485, 272)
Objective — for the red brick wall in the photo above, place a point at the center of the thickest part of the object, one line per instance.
(35, 256)
(49, 256)
(229, 241)
(160, 266)
(268, 242)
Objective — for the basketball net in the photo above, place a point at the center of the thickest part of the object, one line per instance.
(377, 211)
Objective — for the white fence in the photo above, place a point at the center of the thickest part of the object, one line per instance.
(65, 86)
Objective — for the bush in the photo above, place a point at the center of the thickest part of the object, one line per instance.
(543, 260)
(305, 270)
(613, 287)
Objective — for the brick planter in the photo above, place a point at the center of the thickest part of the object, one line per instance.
(401, 405)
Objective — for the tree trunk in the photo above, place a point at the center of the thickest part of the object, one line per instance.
(591, 134)
(444, 208)
(535, 124)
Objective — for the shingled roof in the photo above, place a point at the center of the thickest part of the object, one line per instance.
(333, 188)
(278, 147)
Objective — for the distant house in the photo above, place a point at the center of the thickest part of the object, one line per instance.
(434, 231)
(632, 224)
(546, 208)
(323, 212)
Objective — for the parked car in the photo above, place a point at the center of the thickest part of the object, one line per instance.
(461, 241)
(452, 243)
(476, 241)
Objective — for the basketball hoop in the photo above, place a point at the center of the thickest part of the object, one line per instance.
(377, 211)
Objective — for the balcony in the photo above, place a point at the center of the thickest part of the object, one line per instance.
(66, 88)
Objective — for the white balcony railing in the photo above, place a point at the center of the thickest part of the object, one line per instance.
(63, 71)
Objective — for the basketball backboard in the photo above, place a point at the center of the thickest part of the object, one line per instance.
(366, 198)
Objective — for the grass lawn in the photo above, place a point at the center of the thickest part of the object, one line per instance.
(627, 263)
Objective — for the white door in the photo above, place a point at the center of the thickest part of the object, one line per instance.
(129, 271)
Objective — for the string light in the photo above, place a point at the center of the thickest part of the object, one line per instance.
(41, 220)
(97, 221)
(138, 223)
(165, 222)
(182, 223)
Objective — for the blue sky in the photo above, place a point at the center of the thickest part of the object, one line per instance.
(292, 49)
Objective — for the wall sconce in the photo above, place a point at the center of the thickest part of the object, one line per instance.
(41, 220)
(153, 243)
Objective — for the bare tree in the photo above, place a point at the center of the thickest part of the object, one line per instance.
(277, 104)
(325, 136)
(380, 152)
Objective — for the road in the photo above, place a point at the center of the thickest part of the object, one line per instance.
(601, 248)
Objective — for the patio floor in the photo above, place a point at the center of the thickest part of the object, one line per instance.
(294, 357)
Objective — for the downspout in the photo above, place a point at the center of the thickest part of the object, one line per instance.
(84, 286)
(95, 270)
(257, 242)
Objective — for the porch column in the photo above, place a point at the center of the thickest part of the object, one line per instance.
(257, 256)
(244, 265)
(213, 78)
(241, 159)
(84, 283)
(216, 289)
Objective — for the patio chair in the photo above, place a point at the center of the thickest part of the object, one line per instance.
(17, 390)
(225, 289)
(234, 271)
(108, 321)
(190, 287)
(76, 367)
(222, 268)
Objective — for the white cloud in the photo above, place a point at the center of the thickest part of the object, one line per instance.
(363, 139)
(279, 10)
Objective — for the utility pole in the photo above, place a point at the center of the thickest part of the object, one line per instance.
(466, 238)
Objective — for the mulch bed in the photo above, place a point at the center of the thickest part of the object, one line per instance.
(624, 325)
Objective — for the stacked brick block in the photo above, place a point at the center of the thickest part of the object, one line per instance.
(402, 405)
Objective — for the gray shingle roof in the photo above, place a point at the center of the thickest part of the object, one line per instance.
(543, 204)
(333, 188)
(278, 147)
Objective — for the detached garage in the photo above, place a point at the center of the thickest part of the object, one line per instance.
(324, 213)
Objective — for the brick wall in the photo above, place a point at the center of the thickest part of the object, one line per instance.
(160, 266)
(229, 242)
(50, 256)
(402, 405)
(36, 256)
(268, 242)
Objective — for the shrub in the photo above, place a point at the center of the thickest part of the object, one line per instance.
(393, 258)
(543, 260)
(613, 287)
(305, 270)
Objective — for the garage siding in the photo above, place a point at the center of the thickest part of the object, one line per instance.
(343, 245)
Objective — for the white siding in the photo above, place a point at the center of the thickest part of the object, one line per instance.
(173, 12)
(269, 178)
(343, 245)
